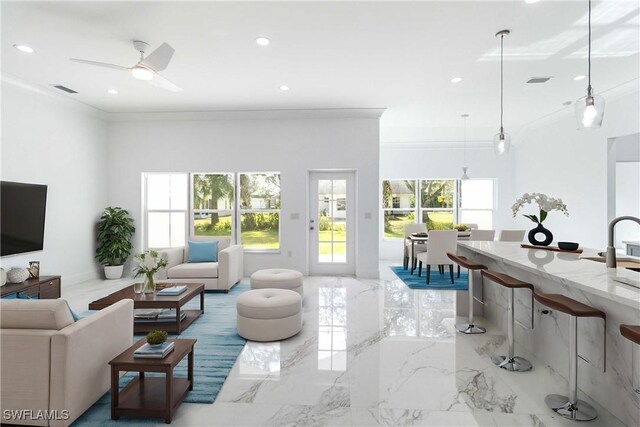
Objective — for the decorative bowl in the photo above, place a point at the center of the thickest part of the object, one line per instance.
(568, 246)
(17, 275)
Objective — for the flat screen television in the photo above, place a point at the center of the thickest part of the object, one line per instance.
(22, 214)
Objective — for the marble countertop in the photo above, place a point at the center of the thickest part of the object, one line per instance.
(567, 268)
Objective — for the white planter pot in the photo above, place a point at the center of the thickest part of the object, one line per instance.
(113, 271)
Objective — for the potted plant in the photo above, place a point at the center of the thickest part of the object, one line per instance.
(545, 204)
(115, 230)
(149, 263)
(157, 338)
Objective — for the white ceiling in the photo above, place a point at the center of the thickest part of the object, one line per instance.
(398, 55)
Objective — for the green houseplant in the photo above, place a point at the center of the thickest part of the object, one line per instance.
(115, 230)
(157, 337)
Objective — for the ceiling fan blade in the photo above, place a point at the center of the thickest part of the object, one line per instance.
(159, 58)
(160, 81)
(99, 64)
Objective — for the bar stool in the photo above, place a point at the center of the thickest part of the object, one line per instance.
(632, 333)
(570, 407)
(511, 362)
(468, 328)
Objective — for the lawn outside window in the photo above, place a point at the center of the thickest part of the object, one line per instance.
(258, 216)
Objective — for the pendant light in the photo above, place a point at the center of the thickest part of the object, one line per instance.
(464, 176)
(590, 108)
(502, 140)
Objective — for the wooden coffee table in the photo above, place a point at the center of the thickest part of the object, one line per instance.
(154, 301)
(151, 397)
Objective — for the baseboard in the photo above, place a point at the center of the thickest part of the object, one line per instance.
(80, 277)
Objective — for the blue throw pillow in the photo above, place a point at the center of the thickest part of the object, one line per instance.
(203, 251)
(73, 313)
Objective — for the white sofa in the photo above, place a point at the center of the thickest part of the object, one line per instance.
(221, 275)
(50, 362)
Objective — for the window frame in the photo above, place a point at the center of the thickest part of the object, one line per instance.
(146, 210)
(193, 211)
(240, 211)
(494, 207)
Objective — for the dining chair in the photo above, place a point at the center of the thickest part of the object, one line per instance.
(482, 235)
(470, 225)
(440, 242)
(511, 235)
(409, 229)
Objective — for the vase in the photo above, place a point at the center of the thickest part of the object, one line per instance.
(533, 233)
(149, 284)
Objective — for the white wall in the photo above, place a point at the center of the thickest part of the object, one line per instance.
(627, 202)
(555, 158)
(47, 139)
(229, 142)
(444, 160)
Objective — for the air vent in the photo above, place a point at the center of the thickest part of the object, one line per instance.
(539, 79)
(64, 89)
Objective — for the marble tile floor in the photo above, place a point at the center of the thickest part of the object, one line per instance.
(373, 352)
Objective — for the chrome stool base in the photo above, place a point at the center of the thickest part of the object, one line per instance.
(578, 411)
(513, 364)
(470, 329)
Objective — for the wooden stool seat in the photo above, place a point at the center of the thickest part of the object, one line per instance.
(464, 262)
(631, 332)
(506, 280)
(568, 305)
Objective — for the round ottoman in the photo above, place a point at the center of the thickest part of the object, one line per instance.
(280, 278)
(269, 314)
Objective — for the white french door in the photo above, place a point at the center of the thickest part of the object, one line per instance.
(332, 222)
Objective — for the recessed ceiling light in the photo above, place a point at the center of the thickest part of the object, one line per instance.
(581, 77)
(112, 91)
(24, 48)
(284, 88)
(263, 41)
(456, 80)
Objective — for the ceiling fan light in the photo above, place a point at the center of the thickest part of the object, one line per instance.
(501, 143)
(142, 73)
(589, 111)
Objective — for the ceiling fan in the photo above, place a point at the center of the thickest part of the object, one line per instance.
(148, 67)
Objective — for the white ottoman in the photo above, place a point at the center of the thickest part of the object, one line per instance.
(269, 314)
(279, 278)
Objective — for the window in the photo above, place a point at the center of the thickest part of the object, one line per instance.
(259, 211)
(437, 204)
(442, 204)
(398, 204)
(165, 209)
(212, 204)
(476, 202)
(332, 217)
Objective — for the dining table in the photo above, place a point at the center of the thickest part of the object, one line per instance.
(422, 239)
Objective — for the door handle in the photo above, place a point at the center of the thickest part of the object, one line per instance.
(311, 228)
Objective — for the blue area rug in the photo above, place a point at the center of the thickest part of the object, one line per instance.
(437, 280)
(216, 351)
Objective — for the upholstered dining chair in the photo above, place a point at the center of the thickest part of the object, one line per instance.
(440, 242)
(511, 235)
(409, 229)
(482, 235)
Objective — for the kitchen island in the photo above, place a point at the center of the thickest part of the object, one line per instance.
(584, 280)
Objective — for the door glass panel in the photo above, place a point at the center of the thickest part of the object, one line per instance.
(332, 221)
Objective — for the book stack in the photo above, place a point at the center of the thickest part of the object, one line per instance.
(153, 351)
(172, 291)
(157, 315)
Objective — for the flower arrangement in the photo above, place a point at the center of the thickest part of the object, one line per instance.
(149, 263)
(545, 203)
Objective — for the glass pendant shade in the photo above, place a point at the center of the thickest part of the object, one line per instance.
(501, 143)
(589, 111)
(464, 176)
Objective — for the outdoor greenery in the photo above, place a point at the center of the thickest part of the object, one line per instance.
(115, 230)
(208, 190)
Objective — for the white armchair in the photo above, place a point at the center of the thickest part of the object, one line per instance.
(50, 362)
(221, 275)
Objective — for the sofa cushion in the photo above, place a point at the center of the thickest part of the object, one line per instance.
(52, 314)
(203, 251)
(193, 271)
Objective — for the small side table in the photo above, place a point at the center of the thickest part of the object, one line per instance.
(151, 397)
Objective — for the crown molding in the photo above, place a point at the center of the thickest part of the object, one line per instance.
(436, 145)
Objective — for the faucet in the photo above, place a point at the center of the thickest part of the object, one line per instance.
(611, 250)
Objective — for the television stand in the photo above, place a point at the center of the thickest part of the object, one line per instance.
(44, 287)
